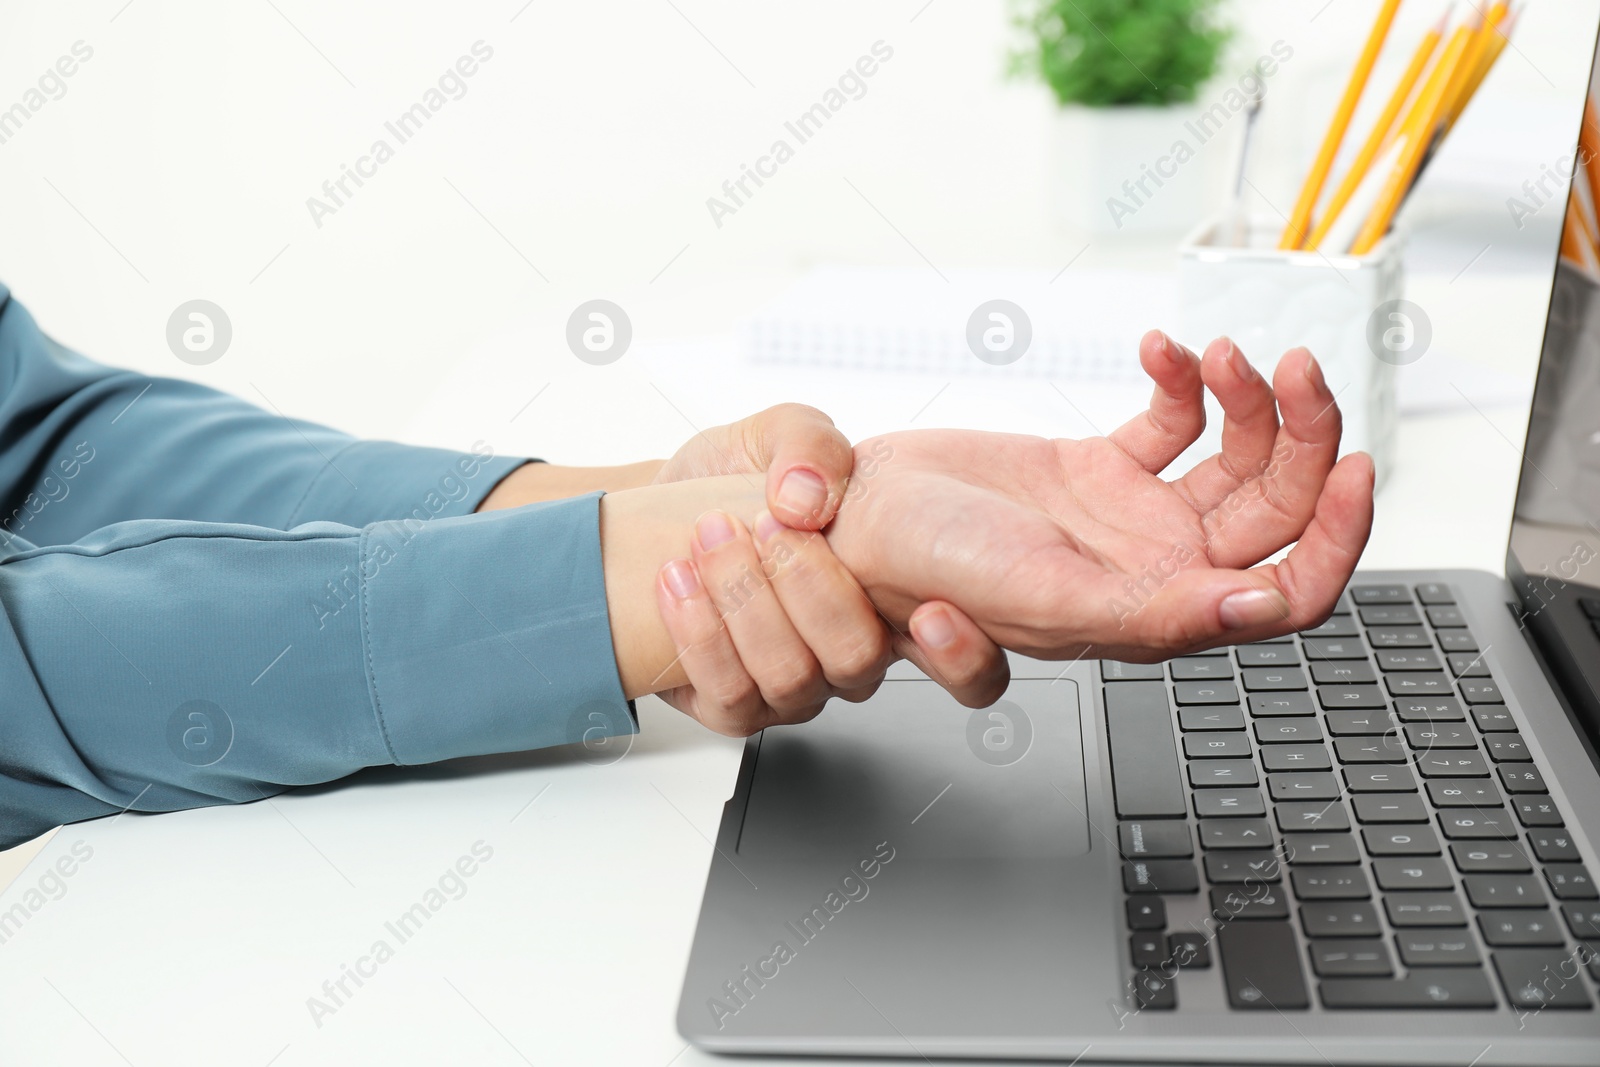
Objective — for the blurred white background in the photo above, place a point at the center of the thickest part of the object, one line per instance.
(178, 163)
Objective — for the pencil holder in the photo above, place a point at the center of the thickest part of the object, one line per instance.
(1348, 310)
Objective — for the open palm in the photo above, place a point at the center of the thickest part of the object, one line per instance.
(1066, 548)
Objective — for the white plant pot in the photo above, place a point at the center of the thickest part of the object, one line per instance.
(1138, 169)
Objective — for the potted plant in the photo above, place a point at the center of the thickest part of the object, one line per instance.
(1126, 74)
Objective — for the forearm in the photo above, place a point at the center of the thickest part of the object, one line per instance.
(535, 482)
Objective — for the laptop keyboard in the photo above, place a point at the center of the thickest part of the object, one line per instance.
(1364, 823)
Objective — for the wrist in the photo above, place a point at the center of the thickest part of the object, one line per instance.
(534, 482)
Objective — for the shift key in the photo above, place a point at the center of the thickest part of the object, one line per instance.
(1144, 755)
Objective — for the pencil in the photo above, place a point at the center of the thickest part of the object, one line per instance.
(1295, 232)
(1500, 22)
(1381, 130)
(1589, 149)
(1413, 142)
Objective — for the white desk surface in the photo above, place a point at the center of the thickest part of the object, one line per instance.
(198, 937)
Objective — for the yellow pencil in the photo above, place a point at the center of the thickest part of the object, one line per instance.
(1295, 232)
(1414, 139)
(1499, 22)
(1381, 131)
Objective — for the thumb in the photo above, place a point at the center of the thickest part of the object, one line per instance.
(807, 460)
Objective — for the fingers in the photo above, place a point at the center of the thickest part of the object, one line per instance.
(720, 694)
(826, 606)
(951, 649)
(787, 674)
(807, 460)
(1177, 413)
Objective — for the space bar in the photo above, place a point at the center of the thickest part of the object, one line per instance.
(1144, 757)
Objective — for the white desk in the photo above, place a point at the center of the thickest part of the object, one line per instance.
(198, 937)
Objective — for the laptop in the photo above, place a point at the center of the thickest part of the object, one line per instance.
(1373, 842)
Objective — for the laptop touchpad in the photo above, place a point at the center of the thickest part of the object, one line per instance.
(937, 780)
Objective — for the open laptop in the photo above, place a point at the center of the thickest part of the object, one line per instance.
(1375, 842)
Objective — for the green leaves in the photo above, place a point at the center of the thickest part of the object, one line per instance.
(1104, 53)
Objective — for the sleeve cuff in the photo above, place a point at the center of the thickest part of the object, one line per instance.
(490, 633)
(371, 481)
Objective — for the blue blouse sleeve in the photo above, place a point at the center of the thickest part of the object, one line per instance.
(174, 632)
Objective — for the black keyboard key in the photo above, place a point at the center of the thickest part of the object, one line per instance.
(1218, 717)
(1337, 626)
(1520, 779)
(1570, 881)
(1467, 664)
(1320, 849)
(1305, 785)
(1464, 793)
(1341, 957)
(1344, 882)
(1219, 745)
(1436, 949)
(1507, 748)
(1295, 758)
(1435, 593)
(1410, 684)
(1390, 615)
(1261, 966)
(1147, 913)
(1221, 692)
(1153, 991)
(1477, 824)
(1422, 987)
(1424, 909)
(1480, 691)
(1553, 846)
(1144, 756)
(1115, 670)
(1148, 949)
(1275, 704)
(1384, 749)
(1409, 659)
(1504, 890)
(1189, 950)
(1379, 778)
(1537, 809)
(1311, 816)
(1340, 918)
(1350, 696)
(1425, 737)
(1446, 617)
(1583, 920)
(1343, 672)
(1493, 718)
(1235, 833)
(1212, 773)
(1406, 840)
(1249, 902)
(1389, 807)
(1228, 803)
(1489, 857)
(1362, 595)
(1529, 928)
(1334, 648)
(1412, 872)
(1243, 866)
(1155, 839)
(1200, 668)
(1160, 876)
(1287, 731)
(1360, 723)
(1267, 655)
(1399, 637)
(1457, 641)
(1429, 709)
(1452, 763)
(1273, 679)
(1540, 978)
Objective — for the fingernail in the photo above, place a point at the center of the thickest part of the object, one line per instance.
(681, 578)
(713, 529)
(1253, 607)
(1239, 365)
(766, 526)
(802, 493)
(935, 629)
(1314, 372)
(1173, 353)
